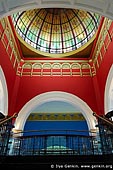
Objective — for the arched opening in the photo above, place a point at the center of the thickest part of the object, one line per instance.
(108, 97)
(56, 117)
(55, 96)
(3, 94)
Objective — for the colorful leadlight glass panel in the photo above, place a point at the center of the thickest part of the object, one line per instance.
(56, 30)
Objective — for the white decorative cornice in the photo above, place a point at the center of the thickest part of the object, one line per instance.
(102, 7)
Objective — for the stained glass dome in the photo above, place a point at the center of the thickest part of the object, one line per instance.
(56, 30)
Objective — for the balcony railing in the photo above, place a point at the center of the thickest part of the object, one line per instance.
(47, 142)
(54, 142)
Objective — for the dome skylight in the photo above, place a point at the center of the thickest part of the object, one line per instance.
(56, 30)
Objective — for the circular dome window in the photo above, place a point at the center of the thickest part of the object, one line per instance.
(56, 30)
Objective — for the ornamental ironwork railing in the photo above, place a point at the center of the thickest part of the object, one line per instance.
(105, 126)
(52, 144)
(55, 142)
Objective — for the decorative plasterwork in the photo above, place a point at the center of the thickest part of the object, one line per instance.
(56, 117)
(102, 44)
(72, 67)
(63, 67)
(9, 42)
(55, 68)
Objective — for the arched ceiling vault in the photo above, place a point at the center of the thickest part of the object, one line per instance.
(56, 31)
(102, 7)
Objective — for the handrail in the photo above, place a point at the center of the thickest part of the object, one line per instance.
(7, 119)
(53, 135)
(109, 122)
(3, 119)
(55, 130)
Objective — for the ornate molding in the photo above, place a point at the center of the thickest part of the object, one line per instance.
(9, 42)
(56, 117)
(56, 67)
(102, 44)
